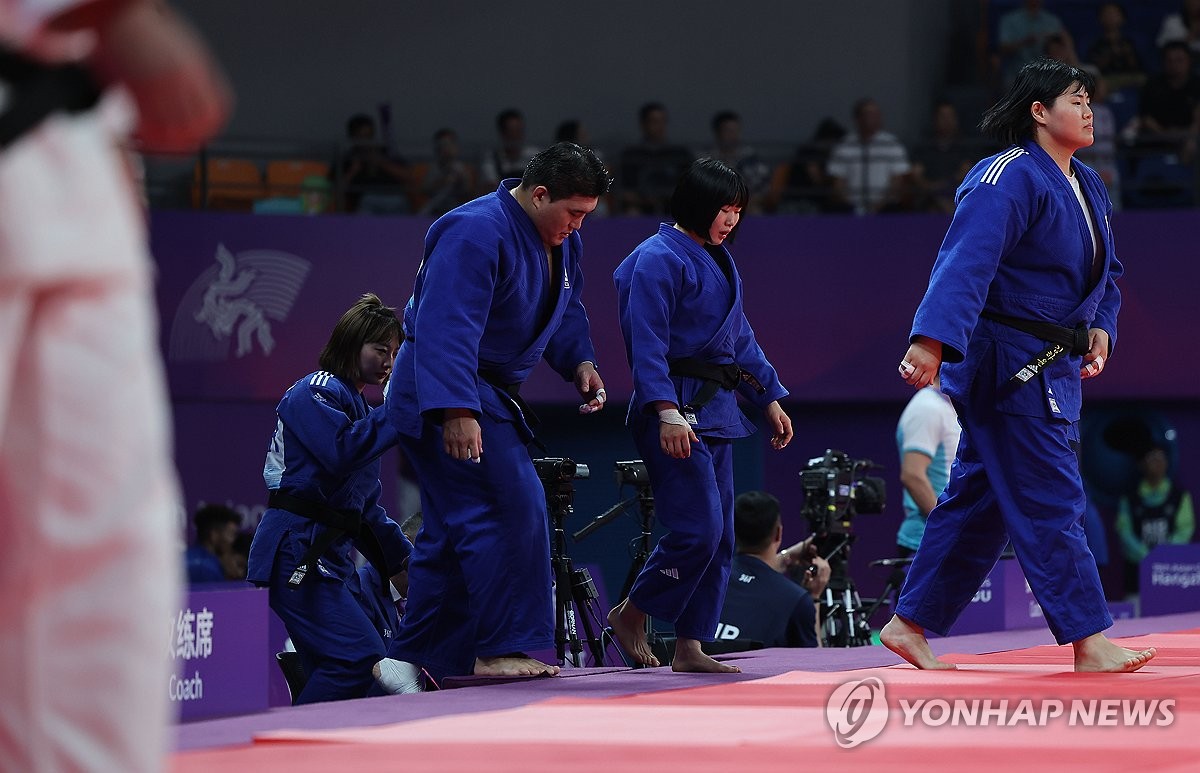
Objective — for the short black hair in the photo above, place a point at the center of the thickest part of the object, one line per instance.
(724, 116)
(504, 116)
(367, 321)
(210, 518)
(444, 132)
(755, 516)
(566, 170)
(357, 121)
(645, 110)
(704, 188)
(1042, 80)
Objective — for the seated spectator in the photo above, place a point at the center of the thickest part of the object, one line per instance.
(763, 603)
(1157, 512)
(1182, 27)
(805, 187)
(572, 130)
(728, 148)
(371, 180)
(234, 561)
(650, 169)
(1061, 48)
(1022, 36)
(510, 157)
(315, 195)
(216, 529)
(941, 161)
(1102, 154)
(1167, 115)
(1114, 54)
(448, 183)
(867, 165)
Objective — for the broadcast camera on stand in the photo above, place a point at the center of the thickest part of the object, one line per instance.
(836, 489)
(631, 473)
(575, 596)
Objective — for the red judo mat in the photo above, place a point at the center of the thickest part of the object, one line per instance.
(999, 710)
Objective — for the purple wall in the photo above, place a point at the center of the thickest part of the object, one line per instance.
(831, 300)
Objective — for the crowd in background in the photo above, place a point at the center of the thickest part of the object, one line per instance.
(1146, 124)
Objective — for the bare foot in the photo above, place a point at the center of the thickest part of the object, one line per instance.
(629, 628)
(689, 657)
(908, 641)
(1097, 653)
(516, 664)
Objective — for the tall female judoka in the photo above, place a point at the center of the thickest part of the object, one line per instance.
(690, 348)
(1022, 304)
(323, 473)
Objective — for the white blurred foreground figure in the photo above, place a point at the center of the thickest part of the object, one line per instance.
(89, 568)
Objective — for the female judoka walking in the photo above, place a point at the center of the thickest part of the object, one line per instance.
(690, 347)
(1021, 305)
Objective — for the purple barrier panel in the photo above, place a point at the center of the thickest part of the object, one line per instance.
(278, 692)
(1021, 609)
(212, 633)
(1170, 580)
(987, 609)
(1122, 610)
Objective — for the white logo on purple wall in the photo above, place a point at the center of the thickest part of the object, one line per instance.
(234, 302)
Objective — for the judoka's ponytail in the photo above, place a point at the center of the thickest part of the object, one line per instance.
(367, 321)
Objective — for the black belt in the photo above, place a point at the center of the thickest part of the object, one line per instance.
(338, 524)
(514, 393)
(37, 90)
(1062, 340)
(715, 377)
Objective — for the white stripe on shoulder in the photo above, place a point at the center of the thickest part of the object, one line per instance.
(320, 378)
(999, 163)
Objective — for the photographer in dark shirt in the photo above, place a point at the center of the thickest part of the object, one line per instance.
(771, 591)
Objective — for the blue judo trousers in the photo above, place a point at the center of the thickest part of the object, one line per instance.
(487, 306)
(1019, 245)
(680, 300)
(685, 576)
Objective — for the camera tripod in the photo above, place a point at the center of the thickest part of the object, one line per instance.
(575, 600)
(644, 498)
(895, 580)
(843, 622)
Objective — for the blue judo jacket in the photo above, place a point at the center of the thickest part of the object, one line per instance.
(1019, 245)
(326, 449)
(676, 302)
(483, 301)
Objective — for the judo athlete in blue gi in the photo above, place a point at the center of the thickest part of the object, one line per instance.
(322, 471)
(499, 288)
(1022, 303)
(690, 347)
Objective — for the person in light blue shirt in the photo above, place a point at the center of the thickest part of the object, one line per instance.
(927, 436)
